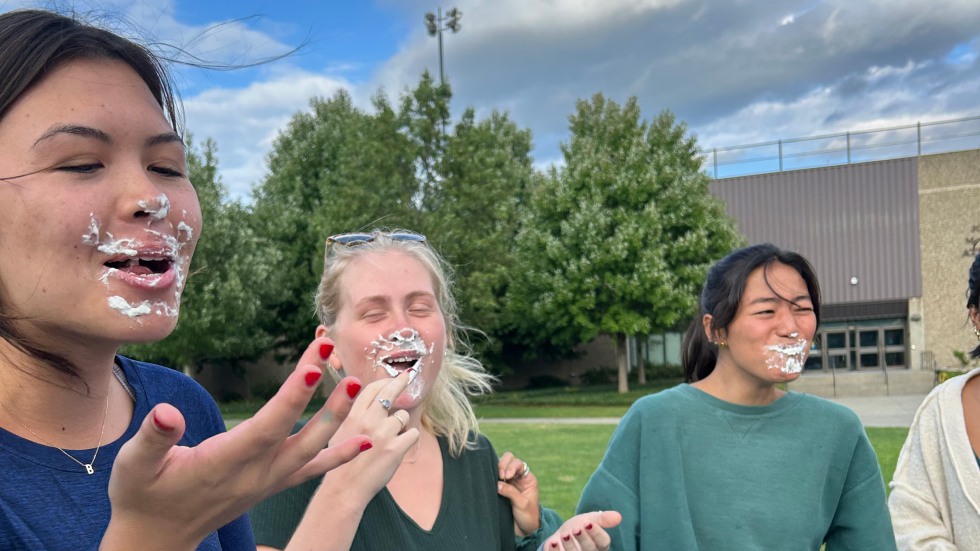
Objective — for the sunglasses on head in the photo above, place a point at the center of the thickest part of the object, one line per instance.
(355, 239)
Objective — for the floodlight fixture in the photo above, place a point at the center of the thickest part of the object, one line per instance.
(430, 24)
(435, 23)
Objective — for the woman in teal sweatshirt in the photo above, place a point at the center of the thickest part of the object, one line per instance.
(729, 460)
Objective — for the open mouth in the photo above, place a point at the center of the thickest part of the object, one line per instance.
(395, 365)
(141, 266)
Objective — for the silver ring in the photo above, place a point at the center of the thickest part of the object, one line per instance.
(526, 470)
(399, 417)
(385, 403)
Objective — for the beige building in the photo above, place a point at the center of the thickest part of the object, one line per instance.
(891, 242)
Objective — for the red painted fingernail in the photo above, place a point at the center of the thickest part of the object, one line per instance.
(578, 533)
(366, 446)
(161, 426)
(566, 537)
(312, 378)
(352, 389)
(588, 526)
(554, 545)
(325, 350)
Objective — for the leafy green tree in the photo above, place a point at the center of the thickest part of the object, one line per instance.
(333, 169)
(485, 172)
(618, 240)
(424, 115)
(220, 312)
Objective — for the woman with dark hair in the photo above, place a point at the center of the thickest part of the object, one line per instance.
(935, 498)
(98, 223)
(729, 460)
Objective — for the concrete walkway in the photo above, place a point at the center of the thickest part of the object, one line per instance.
(874, 411)
(884, 411)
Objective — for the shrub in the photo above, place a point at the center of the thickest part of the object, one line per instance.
(545, 381)
(598, 376)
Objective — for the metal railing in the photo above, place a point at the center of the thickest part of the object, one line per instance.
(922, 138)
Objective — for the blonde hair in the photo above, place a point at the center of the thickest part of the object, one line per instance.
(446, 410)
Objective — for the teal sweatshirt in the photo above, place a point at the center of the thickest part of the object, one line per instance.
(691, 472)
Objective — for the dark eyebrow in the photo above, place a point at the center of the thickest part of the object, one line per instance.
(166, 138)
(767, 300)
(95, 133)
(75, 130)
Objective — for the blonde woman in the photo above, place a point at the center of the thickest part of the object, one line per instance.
(431, 481)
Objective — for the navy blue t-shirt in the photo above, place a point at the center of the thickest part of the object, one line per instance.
(48, 502)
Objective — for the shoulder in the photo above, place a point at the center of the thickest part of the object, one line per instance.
(828, 411)
(480, 447)
(162, 384)
(671, 399)
(154, 384)
(944, 404)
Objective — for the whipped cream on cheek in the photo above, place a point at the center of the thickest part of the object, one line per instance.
(399, 351)
(787, 358)
(169, 257)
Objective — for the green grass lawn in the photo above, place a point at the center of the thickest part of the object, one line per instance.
(564, 456)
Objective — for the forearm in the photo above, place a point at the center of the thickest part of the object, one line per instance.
(332, 517)
(124, 535)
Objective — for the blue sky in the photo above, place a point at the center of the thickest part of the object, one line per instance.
(736, 72)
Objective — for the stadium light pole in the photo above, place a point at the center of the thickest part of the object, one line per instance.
(435, 23)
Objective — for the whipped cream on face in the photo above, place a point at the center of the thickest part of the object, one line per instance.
(140, 309)
(787, 358)
(184, 232)
(157, 208)
(164, 246)
(399, 351)
(92, 236)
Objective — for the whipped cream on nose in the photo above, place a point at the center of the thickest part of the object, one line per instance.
(787, 358)
(157, 208)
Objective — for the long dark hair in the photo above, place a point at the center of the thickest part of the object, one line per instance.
(721, 295)
(973, 295)
(32, 44)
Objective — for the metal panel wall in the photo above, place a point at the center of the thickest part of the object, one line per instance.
(851, 221)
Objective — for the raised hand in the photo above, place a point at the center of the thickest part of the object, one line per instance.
(170, 497)
(520, 486)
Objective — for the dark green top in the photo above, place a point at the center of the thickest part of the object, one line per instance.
(472, 515)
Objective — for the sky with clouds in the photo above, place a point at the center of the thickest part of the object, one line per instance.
(736, 71)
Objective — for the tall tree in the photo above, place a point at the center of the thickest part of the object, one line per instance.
(333, 169)
(618, 240)
(220, 312)
(485, 172)
(425, 115)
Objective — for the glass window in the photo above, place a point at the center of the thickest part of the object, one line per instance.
(868, 339)
(869, 360)
(894, 337)
(813, 362)
(837, 362)
(895, 359)
(836, 340)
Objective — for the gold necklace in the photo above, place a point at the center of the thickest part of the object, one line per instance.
(88, 466)
(418, 447)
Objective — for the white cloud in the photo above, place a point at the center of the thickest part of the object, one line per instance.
(245, 122)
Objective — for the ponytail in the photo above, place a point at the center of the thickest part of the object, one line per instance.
(698, 354)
